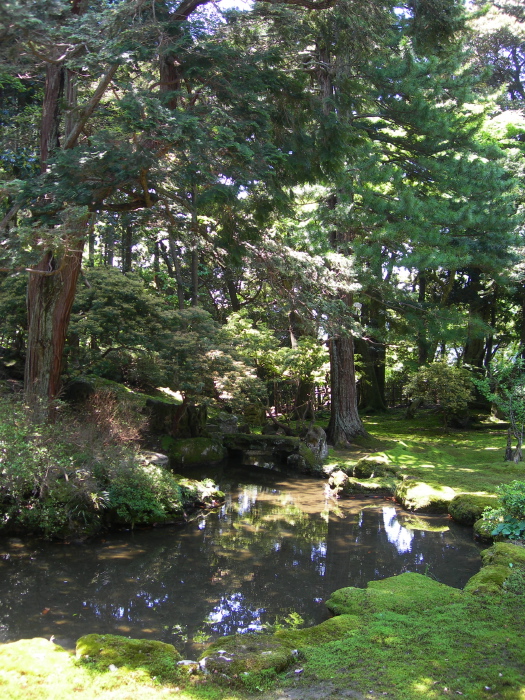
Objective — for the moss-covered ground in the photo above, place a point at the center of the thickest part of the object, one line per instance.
(405, 639)
(467, 461)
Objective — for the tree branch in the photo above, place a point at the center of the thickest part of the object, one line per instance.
(88, 110)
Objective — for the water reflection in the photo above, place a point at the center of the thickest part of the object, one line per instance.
(275, 546)
(398, 535)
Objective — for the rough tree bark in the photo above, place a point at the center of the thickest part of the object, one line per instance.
(53, 280)
(345, 423)
(50, 295)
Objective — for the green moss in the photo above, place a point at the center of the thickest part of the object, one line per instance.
(374, 465)
(424, 496)
(466, 508)
(155, 659)
(327, 631)
(378, 485)
(488, 581)
(483, 530)
(193, 451)
(504, 554)
(247, 653)
(405, 593)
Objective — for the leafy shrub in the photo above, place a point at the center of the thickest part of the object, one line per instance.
(448, 387)
(142, 493)
(73, 478)
(509, 518)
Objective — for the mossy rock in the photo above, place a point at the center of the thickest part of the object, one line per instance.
(305, 461)
(382, 485)
(328, 631)
(193, 451)
(466, 508)
(372, 466)
(155, 659)
(247, 653)
(504, 554)
(204, 492)
(483, 530)
(406, 593)
(488, 581)
(424, 496)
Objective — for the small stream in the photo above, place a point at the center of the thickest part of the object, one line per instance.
(277, 545)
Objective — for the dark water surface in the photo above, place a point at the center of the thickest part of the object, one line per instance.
(276, 546)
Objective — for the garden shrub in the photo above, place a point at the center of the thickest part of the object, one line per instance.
(508, 519)
(450, 388)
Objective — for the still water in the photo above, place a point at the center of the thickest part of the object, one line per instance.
(277, 545)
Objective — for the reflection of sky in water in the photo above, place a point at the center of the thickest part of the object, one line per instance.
(247, 499)
(265, 552)
(318, 555)
(396, 533)
(233, 613)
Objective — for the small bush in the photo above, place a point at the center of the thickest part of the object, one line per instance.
(74, 478)
(450, 388)
(508, 519)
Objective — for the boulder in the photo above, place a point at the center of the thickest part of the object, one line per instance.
(502, 563)
(466, 508)
(401, 594)
(156, 659)
(483, 531)
(246, 653)
(315, 439)
(372, 466)
(424, 496)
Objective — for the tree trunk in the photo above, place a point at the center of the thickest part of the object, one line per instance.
(423, 344)
(50, 295)
(127, 244)
(345, 423)
(372, 385)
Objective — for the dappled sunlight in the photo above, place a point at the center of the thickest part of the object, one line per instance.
(425, 687)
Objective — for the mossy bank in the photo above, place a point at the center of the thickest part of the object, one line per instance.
(406, 637)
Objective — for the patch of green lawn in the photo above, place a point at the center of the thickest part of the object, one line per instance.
(467, 461)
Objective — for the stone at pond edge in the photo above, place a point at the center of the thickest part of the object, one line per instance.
(423, 496)
(504, 553)
(328, 631)
(488, 581)
(193, 451)
(315, 439)
(499, 563)
(246, 653)
(483, 531)
(156, 659)
(373, 465)
(406, 593)
(466, 508)
(379, 486)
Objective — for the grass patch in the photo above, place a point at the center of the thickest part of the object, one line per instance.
(467, 461)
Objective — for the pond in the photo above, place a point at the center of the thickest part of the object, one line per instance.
(276, 546)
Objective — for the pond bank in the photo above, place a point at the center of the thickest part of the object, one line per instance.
(405, 638)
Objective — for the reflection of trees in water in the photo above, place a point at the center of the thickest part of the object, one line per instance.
(255, 559)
